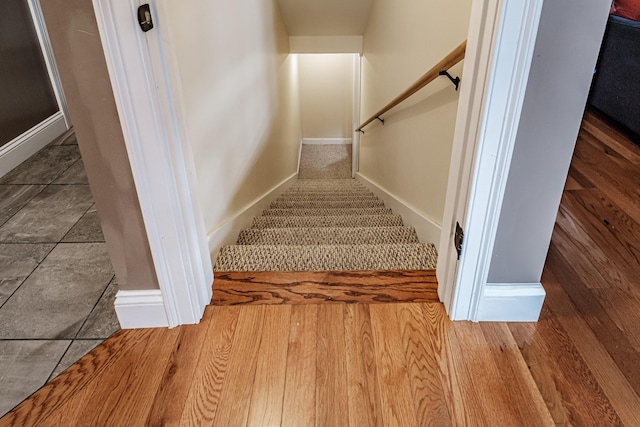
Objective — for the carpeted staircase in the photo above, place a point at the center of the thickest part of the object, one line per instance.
(327, 225)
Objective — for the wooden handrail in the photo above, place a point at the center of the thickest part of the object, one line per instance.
(447, 62)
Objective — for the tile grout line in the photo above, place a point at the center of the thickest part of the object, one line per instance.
(27, 202)
(94, 307)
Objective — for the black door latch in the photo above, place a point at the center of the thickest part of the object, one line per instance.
(144, 17)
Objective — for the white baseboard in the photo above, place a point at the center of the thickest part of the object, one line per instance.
(511, 302)
(327, 141)
(427, 229)
(30, 142)
(141, 309)
(227, 234)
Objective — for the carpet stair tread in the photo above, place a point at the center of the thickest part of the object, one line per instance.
(326, 204)
(327, 236)
(328, 212)
(405, 256)
(328, 221)
(328, 198)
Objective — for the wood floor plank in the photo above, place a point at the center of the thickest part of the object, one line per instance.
(613, 380)
(299, 406)
(485, 376)
(363, 388)
(125, 397)
(331, 371)
(56, 393)
(571, 238)
(622, 309)
(619, 184)
(611, 232)
(426, 385)
(464, 404)
(309, 287)
(169, 401)
(522, 389)
(233, 407)
(598, 127)
(393, 377)
(268, 386)
(203, 398)
(570, 390)
(615, 342)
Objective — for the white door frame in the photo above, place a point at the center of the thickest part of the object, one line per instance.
(161, 165)
(501, 41)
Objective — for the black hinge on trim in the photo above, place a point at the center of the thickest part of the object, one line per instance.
(144, 17)
(458, 239)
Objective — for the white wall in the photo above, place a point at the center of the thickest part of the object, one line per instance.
(326, 95)
(409, 156)
(239, 96)
(566, 50)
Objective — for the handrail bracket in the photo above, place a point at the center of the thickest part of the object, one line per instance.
(381, 120)
(455, 81)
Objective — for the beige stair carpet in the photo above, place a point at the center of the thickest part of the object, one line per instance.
(327, 225)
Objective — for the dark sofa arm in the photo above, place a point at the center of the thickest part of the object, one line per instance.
(616, 87)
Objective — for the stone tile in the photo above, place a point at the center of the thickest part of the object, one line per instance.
(102, 322)
(48, 216)
(17, 262)
(87, 229)
(25, 367)
(44, 166)
(77, 349)
(58, 296)
(14, 197)
(74, 175)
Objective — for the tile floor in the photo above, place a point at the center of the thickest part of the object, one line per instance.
(57, 286)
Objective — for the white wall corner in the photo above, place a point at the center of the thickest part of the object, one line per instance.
(428, 230)
(511, 302)
(141, 309)
(227, 234)
(327, 141)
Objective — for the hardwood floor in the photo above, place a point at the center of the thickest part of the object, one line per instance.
(398, 364)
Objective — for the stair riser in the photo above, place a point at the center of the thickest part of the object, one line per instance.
(327, 212)
(325, 221)
(347, 204)
(328, 236)
(327, 258)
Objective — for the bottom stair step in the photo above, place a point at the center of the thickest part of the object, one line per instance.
(327, 236)
(314, 287)
(411, 256)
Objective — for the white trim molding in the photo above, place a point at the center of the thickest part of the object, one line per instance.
(511, 302)
(515, 36)
(160, 158)
(30, 142)
(227, 233)
(49, 59)
(141, 309)
(427, 229)
(327, 141)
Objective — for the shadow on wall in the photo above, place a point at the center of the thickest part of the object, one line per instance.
(239, 95)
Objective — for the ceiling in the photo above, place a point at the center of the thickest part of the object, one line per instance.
(325, 17)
